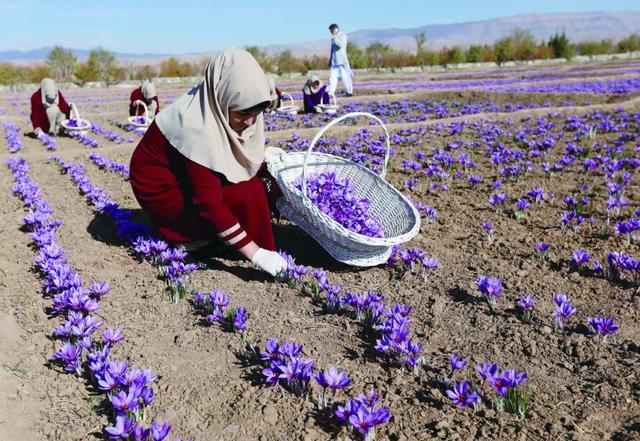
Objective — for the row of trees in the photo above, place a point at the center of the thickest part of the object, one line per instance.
(102, 65)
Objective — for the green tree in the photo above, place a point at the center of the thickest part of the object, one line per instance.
(172, 67)
(504, 50)
(287, 62)
(524, 44)
(11, 74)
(421, 40)
(560, 45)
(377, 54)
(629, 44)
(473, 54)
(262, 57)
(101, 65)
(357, 57)
(62, 63)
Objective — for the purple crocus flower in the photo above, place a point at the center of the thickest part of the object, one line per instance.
(580, 258)
(564, 310)
(124, 402)
(240, 319)
(487, 370)
(332, 379)
(461, 395)
(159, 431)
(604, 325)
(491, 288)
(526, 304)
(456, 362)
(99, 289)
(121, 429)
(113, 336)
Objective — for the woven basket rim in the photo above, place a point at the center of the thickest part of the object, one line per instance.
(361, 238)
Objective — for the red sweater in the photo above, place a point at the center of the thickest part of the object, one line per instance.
(39, 111)
(137, 95)
(187, 201)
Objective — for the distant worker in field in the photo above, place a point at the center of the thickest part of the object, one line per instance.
(195, 171)
(48, 108)
(338, 62)
(276, 94)
(314, 93)
(145, 93)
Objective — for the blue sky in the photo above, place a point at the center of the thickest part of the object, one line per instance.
(196, 26)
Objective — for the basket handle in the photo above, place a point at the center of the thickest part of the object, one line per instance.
(333, 123)
(146, 109)
(74, 108)
(288, 95)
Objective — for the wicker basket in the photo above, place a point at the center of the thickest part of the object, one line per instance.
(291, 109)
(83, 124)
(147, 121)
(389, 207)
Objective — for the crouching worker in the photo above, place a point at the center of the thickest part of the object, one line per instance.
(314, 93)
(195, 170)
(48, 108)
(145, 93)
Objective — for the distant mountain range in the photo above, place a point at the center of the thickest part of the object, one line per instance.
(580, 26)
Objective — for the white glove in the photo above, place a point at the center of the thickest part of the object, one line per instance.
(38, 131)
(269, 261)
(137, 103)
(71, 105)
(273, 152)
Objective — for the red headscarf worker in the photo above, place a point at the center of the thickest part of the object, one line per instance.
(48, 108)
(145, 93)
(195, 170)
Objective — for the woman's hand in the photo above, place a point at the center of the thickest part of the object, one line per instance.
(273, 152)
(269, 261)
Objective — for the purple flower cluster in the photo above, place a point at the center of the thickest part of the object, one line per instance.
(213, 306)
(603, 325)
(564, 310)
(129, 390)
(48, 141)
(84, 139)
(106, 163)
(287, 367)
(336, 197)
(78, 124)
(12, 135)
(170, 261)
(501, 382)
(491, 289)
(364, 413)
(110, 135)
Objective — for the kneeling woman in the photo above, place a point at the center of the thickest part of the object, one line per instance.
(195, 170)
(145, 93)
(314, 93)
(48, 108)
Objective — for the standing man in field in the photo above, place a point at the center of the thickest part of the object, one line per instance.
(338, 62)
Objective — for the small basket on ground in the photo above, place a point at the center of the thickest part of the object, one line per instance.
(143, 121)
(75, 125)
(291, 109)
(393, 211)
(332, 107)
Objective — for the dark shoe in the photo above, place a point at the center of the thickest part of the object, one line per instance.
(347, 95)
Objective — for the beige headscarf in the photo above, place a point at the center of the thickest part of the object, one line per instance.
(196, 124)
(272, 91)
(49, 89)
(309, 87)
(148, 90)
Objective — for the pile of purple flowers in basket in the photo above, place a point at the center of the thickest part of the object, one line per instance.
(336, 197)
(79, 124)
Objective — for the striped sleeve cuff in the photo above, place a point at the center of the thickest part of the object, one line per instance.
(235, 236)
